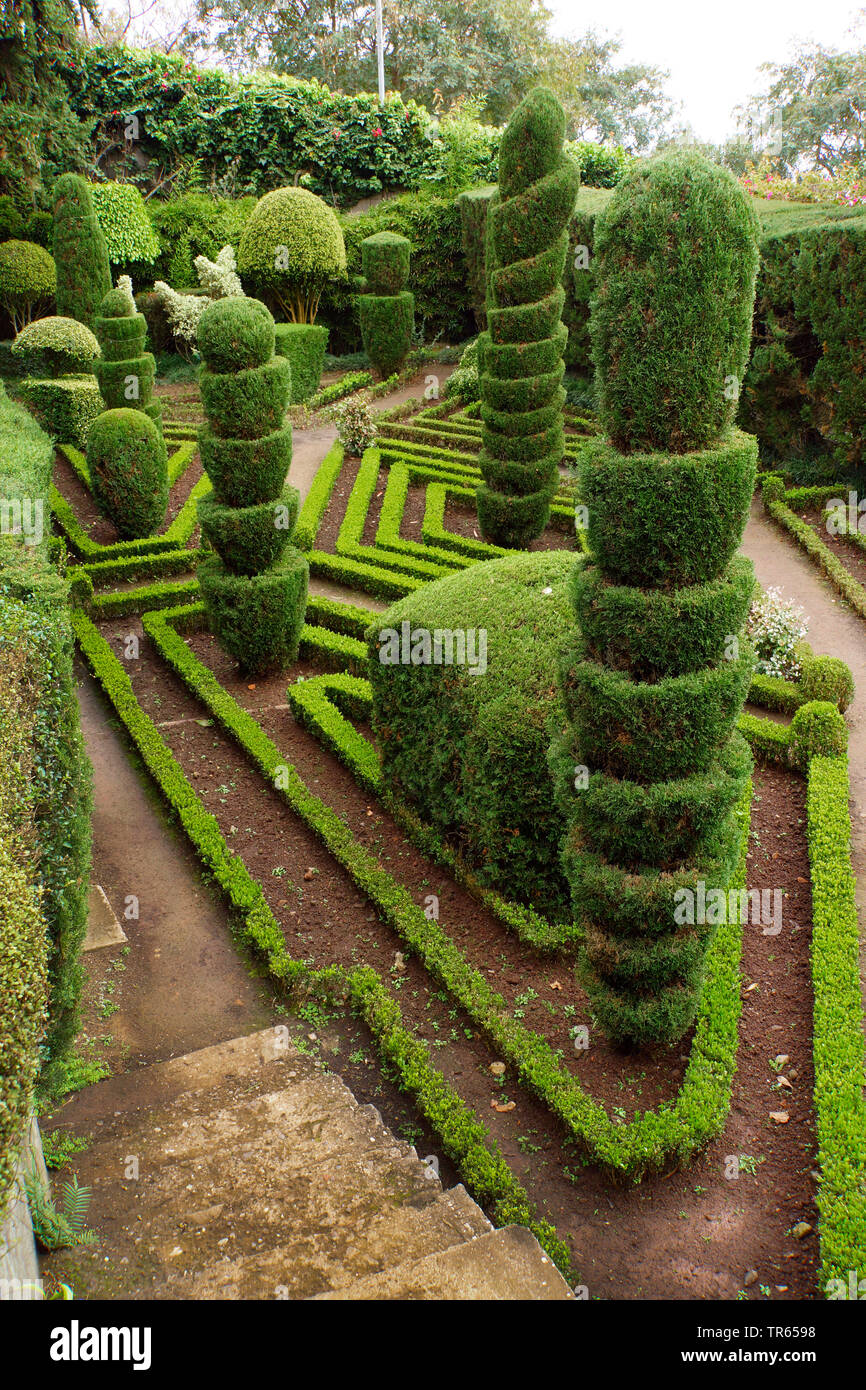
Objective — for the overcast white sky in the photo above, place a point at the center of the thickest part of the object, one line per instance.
(711, 50)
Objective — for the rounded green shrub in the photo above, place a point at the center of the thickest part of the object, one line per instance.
(521, 356)
(126, 458)
(827, 678)
(28, 280)
(292, 247)
(385, 262)
(117, 304)
(234, 334)
(386, 328)
(83, 271)
(676, 253)
(303, 344)
(63, 346)
(817, 731)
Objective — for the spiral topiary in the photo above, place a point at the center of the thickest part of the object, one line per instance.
(386, 309)
(125, 371)
(291, 247)
(521, 353)
(80, 254)
(255, 587)
(649, 768)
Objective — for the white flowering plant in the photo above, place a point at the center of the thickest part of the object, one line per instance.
(220, 277)
(775, 626)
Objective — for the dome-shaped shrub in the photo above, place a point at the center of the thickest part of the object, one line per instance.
(234, 334)
(827, 678)
(28, 279)
(63, 345)
(672, 313)
(127, 462)
(292, 246)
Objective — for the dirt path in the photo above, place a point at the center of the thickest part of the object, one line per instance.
(184, 983)
(834, 630)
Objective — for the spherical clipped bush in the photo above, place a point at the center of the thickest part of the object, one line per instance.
(234, 334)
(83, 271)
(676, 256)
(385, 262)
(520, 357)
(28, 279)
(817, 731)
(386, 328)
(127, 461)
(292, 246)
(303, 344)
(827, 678)
(61, 346)
(117, 304)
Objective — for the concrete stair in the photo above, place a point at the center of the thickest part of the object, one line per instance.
(243, 1171)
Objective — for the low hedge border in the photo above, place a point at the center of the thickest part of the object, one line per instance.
(628, 1150)
(338, 390)
(838, 1026)
(391, 517)
(349, 544)
(844, 582)
(463, 1135)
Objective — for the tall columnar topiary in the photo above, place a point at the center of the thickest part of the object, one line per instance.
(80, 254)
(255, 587)
(522, 367)
(651, 770)
(386, 309)
(125, 371)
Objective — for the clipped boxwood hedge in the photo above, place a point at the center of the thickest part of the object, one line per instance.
(304, 344)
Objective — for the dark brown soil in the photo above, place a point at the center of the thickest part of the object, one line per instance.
(689, 1234)
(850, 554)
(97, 526)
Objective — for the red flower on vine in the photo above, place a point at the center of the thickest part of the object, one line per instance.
(337, 134)
(377, 131)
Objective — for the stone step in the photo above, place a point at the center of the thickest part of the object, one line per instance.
(507, 1264)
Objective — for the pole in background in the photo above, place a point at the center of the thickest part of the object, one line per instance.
(380, 53)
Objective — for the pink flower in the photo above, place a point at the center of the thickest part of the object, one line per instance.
(377, 131)
(337, 134)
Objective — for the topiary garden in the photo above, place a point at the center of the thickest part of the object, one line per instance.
(525, 800)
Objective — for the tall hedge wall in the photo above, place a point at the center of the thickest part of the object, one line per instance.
(32, 588)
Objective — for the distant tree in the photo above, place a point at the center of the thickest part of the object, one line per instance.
(813, 114)
(627, 105)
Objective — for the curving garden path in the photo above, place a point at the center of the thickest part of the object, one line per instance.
(834, 630)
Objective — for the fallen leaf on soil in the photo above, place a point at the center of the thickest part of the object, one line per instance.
(802, 880)
(749, 988)
(399, 961)
(801, 1229)
(310, 873)
(503, 1109)
(554, 984)
(783, 1081)
(780, 1117)
(781, 1059)
(751, 1278)
(251, 687)
(497, 1068)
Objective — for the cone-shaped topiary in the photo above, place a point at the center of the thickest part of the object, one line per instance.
(125, 372)
(521, 353)
(649, 769)
(255, 587)
(128, 471)
(80, 255)
(386, 309)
